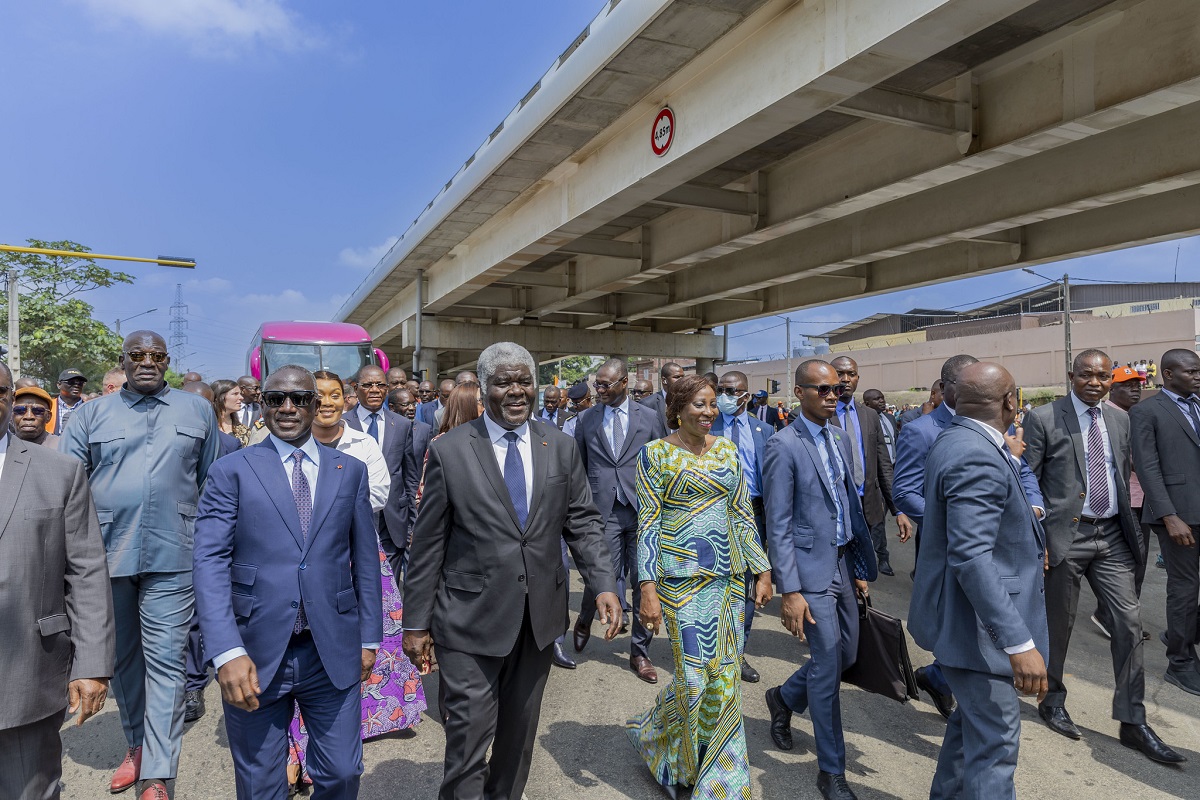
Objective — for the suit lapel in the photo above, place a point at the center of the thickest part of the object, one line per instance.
(1072, 423)
(351, 419)
(540, 449)
(629, 434)
(16, 464)
(810, 446)
(271, 474)
(481, 443)
(598, 432)
(329, 480)
(1173, 410)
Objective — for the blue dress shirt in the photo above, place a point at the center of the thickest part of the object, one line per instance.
(746, 449)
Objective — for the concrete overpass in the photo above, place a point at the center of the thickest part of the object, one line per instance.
(822, 150)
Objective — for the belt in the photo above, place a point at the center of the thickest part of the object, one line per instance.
(1094, 520)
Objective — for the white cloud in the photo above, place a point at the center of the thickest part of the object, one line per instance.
(208, 285)
(365, 258)
(215, 26)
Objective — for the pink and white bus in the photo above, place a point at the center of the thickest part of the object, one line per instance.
(339, 347)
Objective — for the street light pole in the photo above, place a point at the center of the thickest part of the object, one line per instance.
(117, 324)
(14, 326)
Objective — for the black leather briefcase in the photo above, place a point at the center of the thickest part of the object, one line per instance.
(883, 666)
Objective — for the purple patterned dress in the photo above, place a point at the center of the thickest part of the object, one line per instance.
(392, 698)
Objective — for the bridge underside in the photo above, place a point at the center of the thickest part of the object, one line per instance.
(824, 151)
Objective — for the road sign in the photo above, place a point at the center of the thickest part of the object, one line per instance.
(663, 132)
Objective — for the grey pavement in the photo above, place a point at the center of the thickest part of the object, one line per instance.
(583, 752)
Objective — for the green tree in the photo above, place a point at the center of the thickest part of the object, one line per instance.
(58, 330)
(570, 369)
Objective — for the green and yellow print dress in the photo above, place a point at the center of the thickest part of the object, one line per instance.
(696, 539)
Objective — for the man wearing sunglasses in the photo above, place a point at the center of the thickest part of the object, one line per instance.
(70, 397)
(30, 415)
(750, 435)
(147, 450)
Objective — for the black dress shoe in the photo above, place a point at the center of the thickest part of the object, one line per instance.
(1186, 679)
(624, 624)
(781, 720)
(1059, 721)
(1142, 737)
(834, 787)
(942, 701)
(561, 659)
(885, 567)
(749, 673)
(580, 634)
(193, 706)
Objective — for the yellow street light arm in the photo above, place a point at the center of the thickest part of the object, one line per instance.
(185, 263)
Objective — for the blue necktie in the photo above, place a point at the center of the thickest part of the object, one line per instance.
(303, 498)
(838, 476)
(514, 478)
(373, 428)
(1193, 404)
(736, 434)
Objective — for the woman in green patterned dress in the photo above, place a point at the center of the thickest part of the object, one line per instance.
(696, 542)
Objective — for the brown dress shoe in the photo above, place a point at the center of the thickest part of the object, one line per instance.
(580, 634)
(644, 669)
(154, 790)
(127, 774)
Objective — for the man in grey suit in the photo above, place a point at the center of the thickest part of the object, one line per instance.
(1166, 455)
(977, 598)
(393, 433)
(668, 374)
(486, 584)
(609, 437)
(1079, 450)
(56, 618)
(821, 553)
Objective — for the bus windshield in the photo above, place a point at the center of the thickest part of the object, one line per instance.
(343, 359)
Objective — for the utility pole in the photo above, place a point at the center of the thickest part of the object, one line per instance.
(14, 326)
(178, 328)
(788, 379)
(1066, 294)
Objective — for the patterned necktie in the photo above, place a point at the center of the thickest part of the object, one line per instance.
(1097, 467)
(836, 476)
(618, 441)
(514, 478)
(1193, 405)
(373, 428)
(303, 498)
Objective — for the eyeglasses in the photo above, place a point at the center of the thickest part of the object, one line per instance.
(604, 387)
(639, 393)
(824, 388)
(139, 357)
(373, 385)
(729, 390)
(298, 399)
(37, 411)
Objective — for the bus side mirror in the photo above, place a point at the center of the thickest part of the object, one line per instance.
(256, 363)
(382, 359)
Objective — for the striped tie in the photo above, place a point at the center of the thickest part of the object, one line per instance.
(303, 498)
(1097, 484)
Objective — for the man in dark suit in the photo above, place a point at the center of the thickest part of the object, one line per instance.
(668, 374)
(761, 407)
(887, 424)
(609, 437)
(551, 414)
(486, 585)
(872, 466)
(750, 434)
(913, 444)
(821, 553)
(1166, 455)
(977, 598)
(289, 596)
(394, 435)
(251, 409)
(641, 391)
(57, 639)
(427, 410)
(1079, 450)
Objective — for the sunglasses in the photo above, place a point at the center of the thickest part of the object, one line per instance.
(373, 385)
(298, 399)
(729, 390)
(37, 411)
(823, 389)
(139, 357)
(604, 387)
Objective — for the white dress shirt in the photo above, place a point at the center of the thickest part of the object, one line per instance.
(1085, 422)
(524, 447)
(364, 417)
(998, 438)
(3, 451)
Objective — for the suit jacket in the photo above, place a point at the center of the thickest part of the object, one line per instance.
(877, 466)
(605, 469)
(473, 570)
(254, 566)
(396, 517)
(1054, 450)
(1166, 456)
(802, 514)
(421, 434)
(978, 585)
(761, 432)
(255, 413)
(56, 614)
(659, 404)
(227, 443)
(426, 413)
(913, 444)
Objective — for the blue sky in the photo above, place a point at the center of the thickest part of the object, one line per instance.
(285, 144)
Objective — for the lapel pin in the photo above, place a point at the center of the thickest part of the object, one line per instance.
(339, 466)
(545, 445)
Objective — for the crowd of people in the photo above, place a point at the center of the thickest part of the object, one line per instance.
(321, 542)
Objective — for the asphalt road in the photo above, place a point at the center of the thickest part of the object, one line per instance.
(583, 752)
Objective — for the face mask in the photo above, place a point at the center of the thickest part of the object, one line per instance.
(727, 404)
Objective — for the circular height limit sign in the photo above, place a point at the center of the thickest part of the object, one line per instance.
(663, 132)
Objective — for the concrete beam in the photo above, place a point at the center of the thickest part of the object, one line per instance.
(707, 198)
(925, 112)
(607, 248)
(549, 341)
